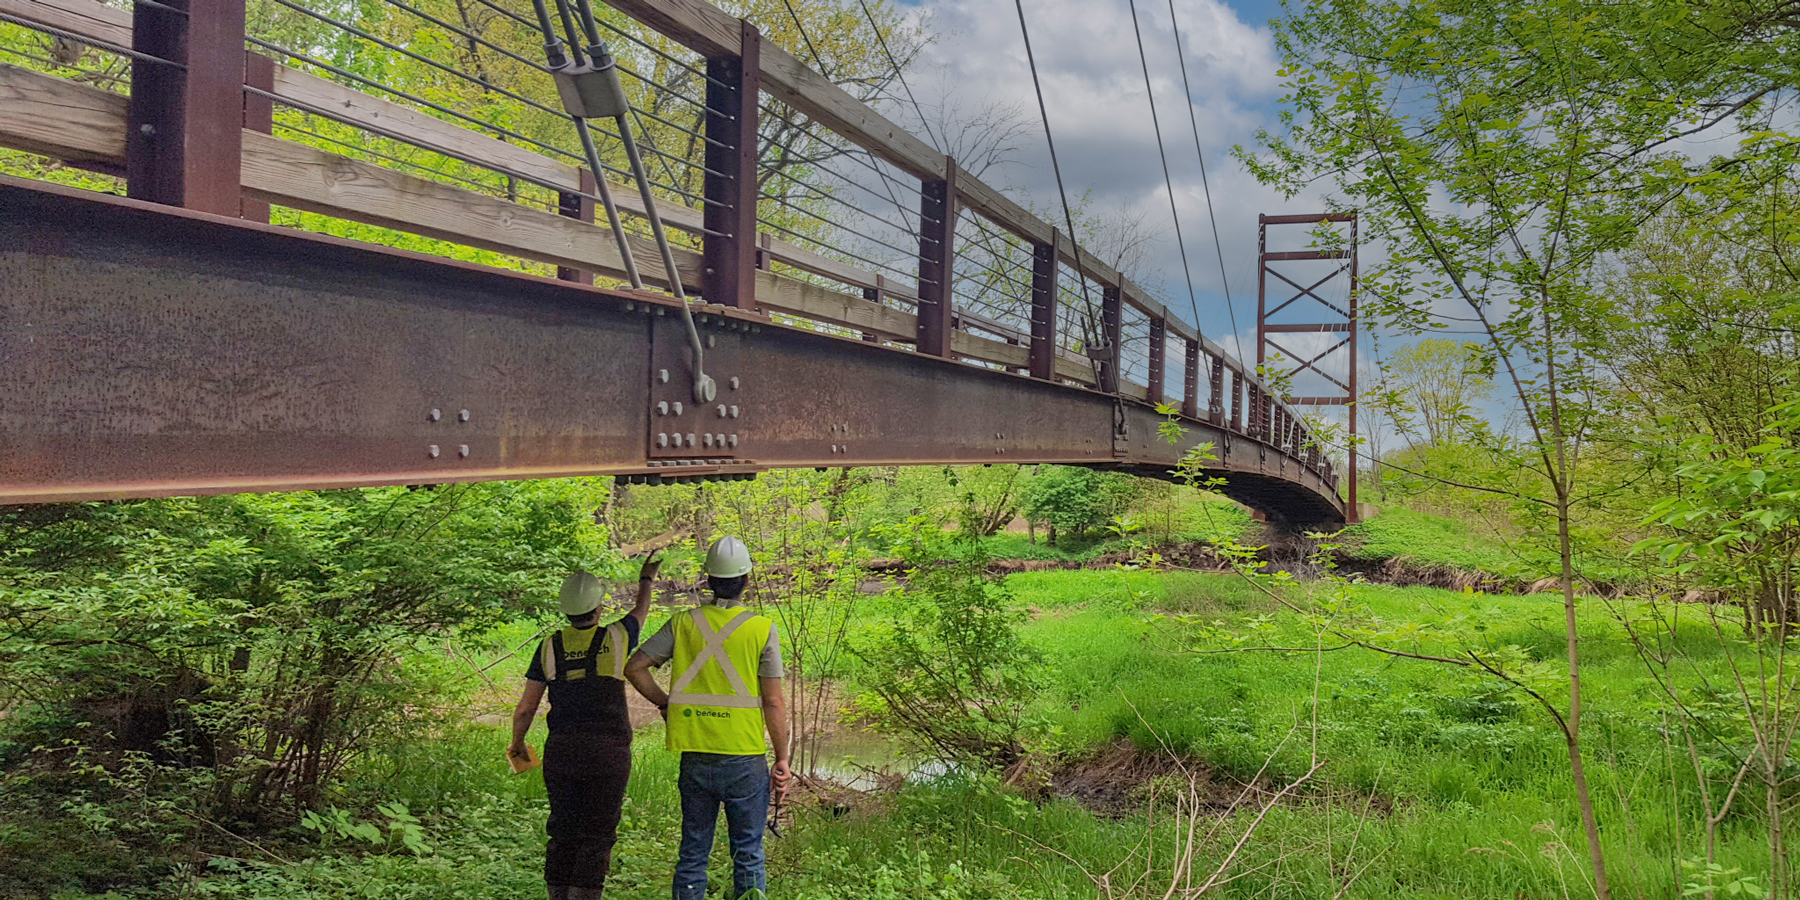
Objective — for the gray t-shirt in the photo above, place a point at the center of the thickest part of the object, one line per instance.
(661, 645)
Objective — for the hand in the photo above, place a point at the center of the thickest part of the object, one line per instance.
(782, 776)
(650, 567)
(517, 750)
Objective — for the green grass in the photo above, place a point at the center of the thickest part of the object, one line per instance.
(1472, 777)
(1431, 540)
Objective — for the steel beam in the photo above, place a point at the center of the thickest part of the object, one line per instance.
(155, 352)
(937, 256)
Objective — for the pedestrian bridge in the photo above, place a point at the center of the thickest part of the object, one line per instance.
(172, 341)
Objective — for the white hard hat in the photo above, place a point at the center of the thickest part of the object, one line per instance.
(581, 593)
(728, 558)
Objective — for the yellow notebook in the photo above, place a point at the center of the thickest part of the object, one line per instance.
(531, 761)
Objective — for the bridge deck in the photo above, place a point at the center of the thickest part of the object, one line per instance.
(153, 351)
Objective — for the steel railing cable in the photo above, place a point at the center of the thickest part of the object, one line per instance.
(821, 194)
(835, 249)
(1187, 91)
(590, 87)
(1037, 86)
(1162, 152)
(852, 153)
(96, 43)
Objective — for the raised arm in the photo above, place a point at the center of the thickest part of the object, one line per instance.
(646, 581)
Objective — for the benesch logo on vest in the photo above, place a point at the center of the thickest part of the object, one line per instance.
(705, 713)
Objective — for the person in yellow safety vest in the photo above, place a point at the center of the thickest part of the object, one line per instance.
(726, 692)
(587, 756)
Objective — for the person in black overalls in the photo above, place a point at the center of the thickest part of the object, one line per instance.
(587, 757)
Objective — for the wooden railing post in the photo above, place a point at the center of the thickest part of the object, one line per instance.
(1159, 359)
(184, 143)
(1215, 405)
(579, 206)
(259, 116)
(1043, 308)
(937, 255)
(1190, 379)
(733, 87)
(1113, 353)
(1237, 401)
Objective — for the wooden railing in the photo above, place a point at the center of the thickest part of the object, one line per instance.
(179, 106)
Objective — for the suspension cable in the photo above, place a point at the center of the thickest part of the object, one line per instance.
(1168, 180)
(1218, 245)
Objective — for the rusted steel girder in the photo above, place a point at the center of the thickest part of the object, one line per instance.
(152, 352)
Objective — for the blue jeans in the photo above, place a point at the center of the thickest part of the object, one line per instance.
(741, 785)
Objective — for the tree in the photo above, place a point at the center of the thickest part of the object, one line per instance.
(1441, 381)
(1500, 151)
(261, 635)
(1072, 500)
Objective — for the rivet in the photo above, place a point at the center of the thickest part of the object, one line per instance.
(462, 450)
(711, 341)
(662, 375)
(690, 440)
(701, 318)
(661, 312)
(721, 410)
(734, 411)
(662, 408)
(707, 439)
(435, 415)
(678, 407)
(834, 448)
(462, 415)
(732, 440)
(432, 451)
(629, 306)
(720, 438)
(677, 439)
(662, 440)
(733, 382)
(147, 128)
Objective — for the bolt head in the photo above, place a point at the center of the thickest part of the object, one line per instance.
(734, 411)
(706, 389)
(677, 407)
(662, 375)
(462, 450)
(719, 439)
(147, 128)
(706, 439)
(834, 448)
(462, 415)
(662, 408)
(732, 440)
(690, 440)
(711, 341)
(721, 410)
(734, 382)
(662, 440)
(435, 415)
(432, 451)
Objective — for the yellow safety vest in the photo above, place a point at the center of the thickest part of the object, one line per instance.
(715, 702)
(571, 654)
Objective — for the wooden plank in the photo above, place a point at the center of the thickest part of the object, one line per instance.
(299, 176)
(791, 296)
(88, 18)
(694, 24)
(58, 118)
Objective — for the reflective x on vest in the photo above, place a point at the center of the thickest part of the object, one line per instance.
(580, 640)
(741, 697)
